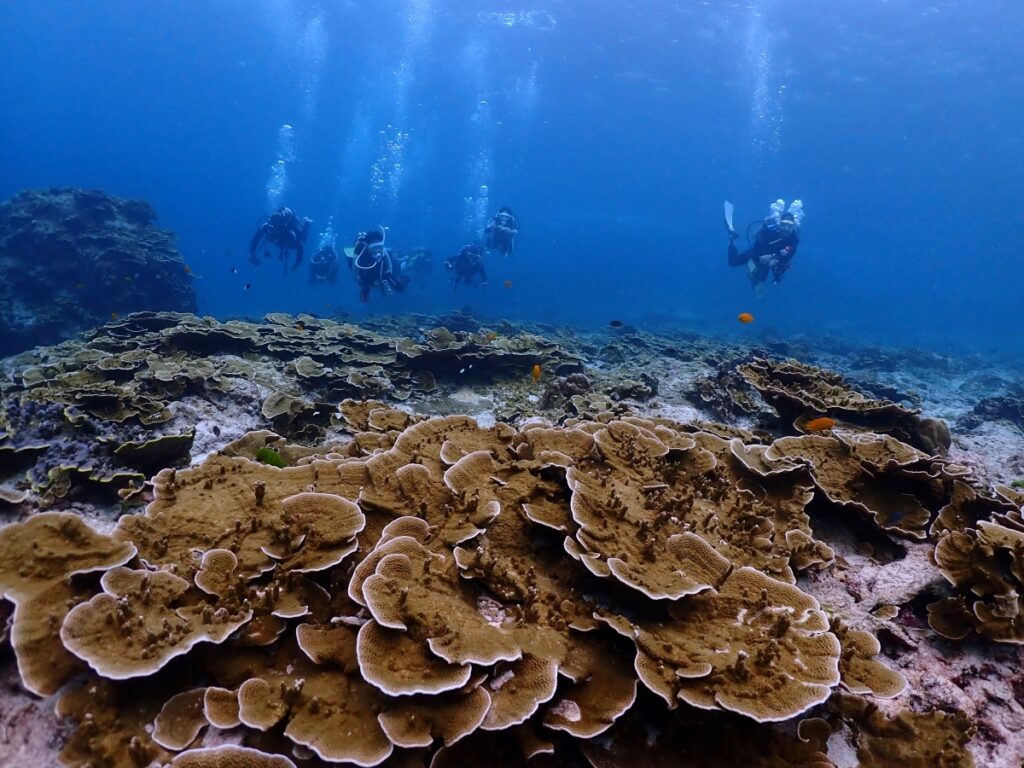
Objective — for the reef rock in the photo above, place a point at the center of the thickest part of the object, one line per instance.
(71, 257)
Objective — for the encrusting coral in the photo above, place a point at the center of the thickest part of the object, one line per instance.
(38, 562)
(754, 646)
(980, 551)
(436, 585)
(799, 391)
(932, 740)
(106, 411)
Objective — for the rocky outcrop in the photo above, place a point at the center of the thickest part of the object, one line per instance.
(70, 258)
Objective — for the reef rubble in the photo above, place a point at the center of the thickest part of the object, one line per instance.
(300, 542)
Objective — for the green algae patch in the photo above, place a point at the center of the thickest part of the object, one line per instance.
(266, 455)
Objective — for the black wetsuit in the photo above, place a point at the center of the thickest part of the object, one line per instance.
(770, 241)
(283, 229)
(467, 265)
(324, 265)
(500, 232)
(372, 265)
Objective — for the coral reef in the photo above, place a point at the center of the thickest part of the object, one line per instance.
(381, 554)
(71, 257)
(802, 392)
(106, 412)
(561, 389)
(726, 393)
(980, 551)
(436, 587)
(1009, 407)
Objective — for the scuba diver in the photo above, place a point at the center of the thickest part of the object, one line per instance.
(372, 265)
(418, 263)
(773, 247)
(467, 265)
(501, 232)
(323, 267)
(283, 229)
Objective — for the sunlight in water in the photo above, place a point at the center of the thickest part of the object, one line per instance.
(313, 52)
(539, 19)
(766, 115)
(278, 181)
(388, 170)
(479, 166)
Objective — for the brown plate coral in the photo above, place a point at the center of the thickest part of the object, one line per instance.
(438, 592)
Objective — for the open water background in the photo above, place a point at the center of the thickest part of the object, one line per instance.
(613, 129)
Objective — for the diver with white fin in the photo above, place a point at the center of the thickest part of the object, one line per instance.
(772, 248)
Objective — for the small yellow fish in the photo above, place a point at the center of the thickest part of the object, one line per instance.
(745, 317)
(127, 279)
(114, 315)
(535, 373)
(300, 326)
(491, 336)
(79, 286)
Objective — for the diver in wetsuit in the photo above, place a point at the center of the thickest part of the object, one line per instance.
(283, 229)
(372, 265)
(323, 267)
(772, 250)
(467, 265)
(501, 232)
(417, 263)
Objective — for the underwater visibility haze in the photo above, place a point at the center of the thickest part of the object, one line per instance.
(569, 384)
(613, 130)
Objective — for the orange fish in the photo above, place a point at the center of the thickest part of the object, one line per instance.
(491, 336)
(535, 373)
(819, 424)
(114, 315)
(188, 270)
(507, 283)
(745, 317)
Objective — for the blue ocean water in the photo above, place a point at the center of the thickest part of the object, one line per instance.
(613, 129)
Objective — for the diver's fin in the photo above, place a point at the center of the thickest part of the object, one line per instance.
(728, 218)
